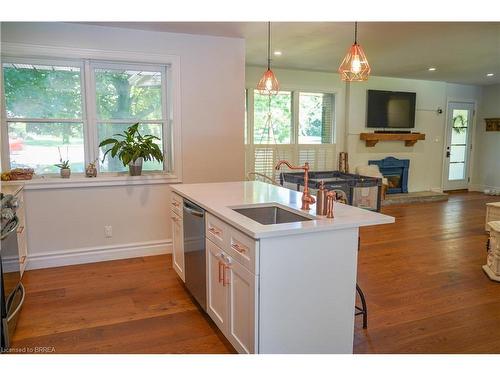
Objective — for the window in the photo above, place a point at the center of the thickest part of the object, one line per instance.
(44, 115)
(302, 130)
(67, 108)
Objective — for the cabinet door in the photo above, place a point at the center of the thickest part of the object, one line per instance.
(242, 307)
(178, 246)
(217, 292)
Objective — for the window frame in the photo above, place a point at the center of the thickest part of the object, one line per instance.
(295, 118)
(171, 132)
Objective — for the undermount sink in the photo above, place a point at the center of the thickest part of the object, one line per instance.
(268, 215)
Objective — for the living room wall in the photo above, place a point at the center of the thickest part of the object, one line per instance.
(487, 157)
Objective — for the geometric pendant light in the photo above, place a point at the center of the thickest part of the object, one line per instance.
(355, 65)
(268, 84)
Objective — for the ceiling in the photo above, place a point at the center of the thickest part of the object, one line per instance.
(461, 52)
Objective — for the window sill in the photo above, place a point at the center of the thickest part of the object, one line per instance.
(80, 181)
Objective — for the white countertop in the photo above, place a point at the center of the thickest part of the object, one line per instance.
(13, 187)
(217, 198)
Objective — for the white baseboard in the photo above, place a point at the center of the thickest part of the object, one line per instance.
(97, 254)
(482, 188)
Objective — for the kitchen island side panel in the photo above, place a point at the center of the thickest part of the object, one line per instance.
(307, 292)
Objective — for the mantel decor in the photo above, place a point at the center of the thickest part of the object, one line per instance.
(371, 139)
(492, 124)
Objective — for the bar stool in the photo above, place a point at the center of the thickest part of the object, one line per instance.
(361, 310)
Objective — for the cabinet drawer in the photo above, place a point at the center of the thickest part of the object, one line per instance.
(176, 204)
(243, 249)
(217, 231)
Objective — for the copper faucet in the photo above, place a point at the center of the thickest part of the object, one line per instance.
(307, 198)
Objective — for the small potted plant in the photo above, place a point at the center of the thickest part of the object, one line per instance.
(132, 148)
(63, 165)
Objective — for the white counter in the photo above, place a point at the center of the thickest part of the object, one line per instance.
(218, 198)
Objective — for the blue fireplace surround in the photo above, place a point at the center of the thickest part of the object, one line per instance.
(392, 167)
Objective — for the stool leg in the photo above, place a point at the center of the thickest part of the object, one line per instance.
(364, 310)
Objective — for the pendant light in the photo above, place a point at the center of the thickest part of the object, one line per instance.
(268, 84)
(355, 65)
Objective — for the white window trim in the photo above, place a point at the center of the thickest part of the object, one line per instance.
(173, 113)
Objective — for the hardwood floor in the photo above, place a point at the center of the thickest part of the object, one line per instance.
(422, 276)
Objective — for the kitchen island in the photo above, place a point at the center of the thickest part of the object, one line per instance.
(278, 279)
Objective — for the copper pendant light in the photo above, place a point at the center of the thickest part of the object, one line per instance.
(268, 84)
(355, 65)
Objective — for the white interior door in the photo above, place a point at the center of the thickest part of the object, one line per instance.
(458, 145)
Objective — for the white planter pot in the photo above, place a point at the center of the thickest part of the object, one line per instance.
(65, 172)
(135, 167)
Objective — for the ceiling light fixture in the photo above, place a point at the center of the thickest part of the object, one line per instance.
(278, 53)
(268, 84)
(432, 69)
(490, 74)
(355, 65)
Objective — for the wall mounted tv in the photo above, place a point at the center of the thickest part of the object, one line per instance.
(390, 109)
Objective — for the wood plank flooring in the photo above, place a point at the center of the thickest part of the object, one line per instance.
(422, 277)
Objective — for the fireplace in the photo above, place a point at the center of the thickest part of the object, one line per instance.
(396, 172)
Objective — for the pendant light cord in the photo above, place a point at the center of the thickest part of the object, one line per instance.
(355, 32)
(268, 45)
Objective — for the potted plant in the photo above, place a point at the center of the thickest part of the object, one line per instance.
(132, 148)
(63, 165)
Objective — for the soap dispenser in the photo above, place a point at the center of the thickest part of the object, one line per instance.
(321, 200)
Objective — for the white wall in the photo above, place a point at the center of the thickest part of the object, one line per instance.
(426, 157)
(487, 160)
(71, 221)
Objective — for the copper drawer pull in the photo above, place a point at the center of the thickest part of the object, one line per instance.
(214, 231)
(23, 259)
(20, 229)
(238, 248)
(174, 218)
(176, 204)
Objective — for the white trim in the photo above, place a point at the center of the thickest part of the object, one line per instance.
(96, 254)
(80, 181)
(482, 188)
(24, 50)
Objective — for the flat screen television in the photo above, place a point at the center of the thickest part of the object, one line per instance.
(390, 109)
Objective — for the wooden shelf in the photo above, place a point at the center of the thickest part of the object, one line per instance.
(371, 139)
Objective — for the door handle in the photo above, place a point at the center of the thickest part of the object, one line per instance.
(193, 212)
(447, 154)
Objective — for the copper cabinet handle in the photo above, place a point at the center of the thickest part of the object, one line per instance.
(238, 248)
(214, 231)
(20, 229)
(220, 273)
(23, 259)
(174, 218)
(224, 279)
(176, 204)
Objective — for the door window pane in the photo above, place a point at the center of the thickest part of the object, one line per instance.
(281, 117)
(106, 130)
(42, 91)
(128, 94)
(457, 154)
(35, 145)
(315, 118)
(457, 171)
(458, 136)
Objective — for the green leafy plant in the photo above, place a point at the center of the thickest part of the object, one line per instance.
(63, 164)
(132, 145)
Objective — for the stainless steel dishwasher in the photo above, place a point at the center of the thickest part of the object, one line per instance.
(194, 251)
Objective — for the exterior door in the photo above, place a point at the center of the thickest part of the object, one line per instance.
(217, 296)
(178, 246)
(458, 145)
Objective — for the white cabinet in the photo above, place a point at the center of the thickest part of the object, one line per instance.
(217, 296)
(177, 245)
(242, 307)
(231, 298)
(22, 241)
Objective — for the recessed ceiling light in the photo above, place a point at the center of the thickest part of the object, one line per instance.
(278, 53)
(489, 74)
(431, 69)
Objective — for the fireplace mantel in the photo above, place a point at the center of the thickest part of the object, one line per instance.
(371, 139)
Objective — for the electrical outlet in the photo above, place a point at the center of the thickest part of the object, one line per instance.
(108, 231)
